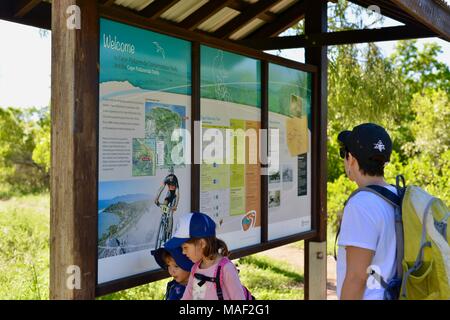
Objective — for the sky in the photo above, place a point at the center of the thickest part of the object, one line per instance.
(25, 63)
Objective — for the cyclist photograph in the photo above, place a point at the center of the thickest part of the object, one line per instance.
(168, 207)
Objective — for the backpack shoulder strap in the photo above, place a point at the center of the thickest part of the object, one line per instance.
(396, 202)
(219, 276)
(384, 193)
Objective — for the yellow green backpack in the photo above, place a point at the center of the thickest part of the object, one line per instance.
(423, 251)
(426, 257)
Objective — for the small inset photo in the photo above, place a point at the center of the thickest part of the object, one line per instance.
(274, 198)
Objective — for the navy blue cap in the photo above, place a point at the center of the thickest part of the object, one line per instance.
(368, 143)
(177, 254)
(192, 225)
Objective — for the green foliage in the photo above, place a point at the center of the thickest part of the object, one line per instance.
(407, 93)
(431, 127)
(24, 168)
(366, 91)
(42, 150)
(420, 69)
(338, 192)
(335, 165)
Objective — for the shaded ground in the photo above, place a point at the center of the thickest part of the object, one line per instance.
(295, 256)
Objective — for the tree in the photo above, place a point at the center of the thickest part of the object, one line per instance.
(42, 150)
(420, 69)
(431, 127)
(20, 173)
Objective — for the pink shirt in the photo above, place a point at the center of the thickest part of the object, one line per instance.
(231, 285)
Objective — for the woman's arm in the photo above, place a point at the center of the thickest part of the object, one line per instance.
(358, 261)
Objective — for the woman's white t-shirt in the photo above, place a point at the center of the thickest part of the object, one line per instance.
(368, 222)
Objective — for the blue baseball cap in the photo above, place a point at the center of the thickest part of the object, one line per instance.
(177, 254)
(192, 225)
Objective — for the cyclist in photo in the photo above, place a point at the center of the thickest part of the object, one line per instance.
(172, 195)
(168, 207)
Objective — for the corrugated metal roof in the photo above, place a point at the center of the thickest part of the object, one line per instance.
(181, 10)
(218, 20)
(279, 7)
(134, 4)
(247, 29)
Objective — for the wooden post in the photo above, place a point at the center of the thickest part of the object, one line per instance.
(316, 249)
(74, 114)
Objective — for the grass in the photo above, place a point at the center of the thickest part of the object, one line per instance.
(24, 260)
(268, 279)
(24, 247)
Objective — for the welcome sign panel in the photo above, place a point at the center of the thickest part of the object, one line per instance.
(144, 106)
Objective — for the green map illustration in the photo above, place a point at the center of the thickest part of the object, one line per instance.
(144, 157)
(160, 122)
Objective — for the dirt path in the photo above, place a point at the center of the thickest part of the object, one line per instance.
(295, 257)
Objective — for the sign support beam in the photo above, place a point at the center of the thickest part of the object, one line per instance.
(315, 260)
(74, 116)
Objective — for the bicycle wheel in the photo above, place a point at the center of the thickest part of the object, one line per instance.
(169, 224)
(161, 233)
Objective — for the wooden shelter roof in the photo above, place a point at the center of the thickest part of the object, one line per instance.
(248, 20)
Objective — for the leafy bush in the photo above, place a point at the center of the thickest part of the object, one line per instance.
(24, 151)
(431, 127)
(337, 193)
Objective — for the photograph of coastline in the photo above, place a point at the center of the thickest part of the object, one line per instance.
(128, 218)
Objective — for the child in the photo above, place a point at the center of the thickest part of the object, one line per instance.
(179, 268)
(213, 276)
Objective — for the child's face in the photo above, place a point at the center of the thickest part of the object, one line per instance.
(193, 251)
(175, 271)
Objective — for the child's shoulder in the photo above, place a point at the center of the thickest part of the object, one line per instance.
(227, 265)
(223, 260)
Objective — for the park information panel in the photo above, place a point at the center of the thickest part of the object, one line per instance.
(145, 120)
(145, 88)
(290, 181)
(230, 179)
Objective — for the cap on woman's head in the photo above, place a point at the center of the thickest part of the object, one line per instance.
(192, 225)
(366, 142)
(177, 254)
